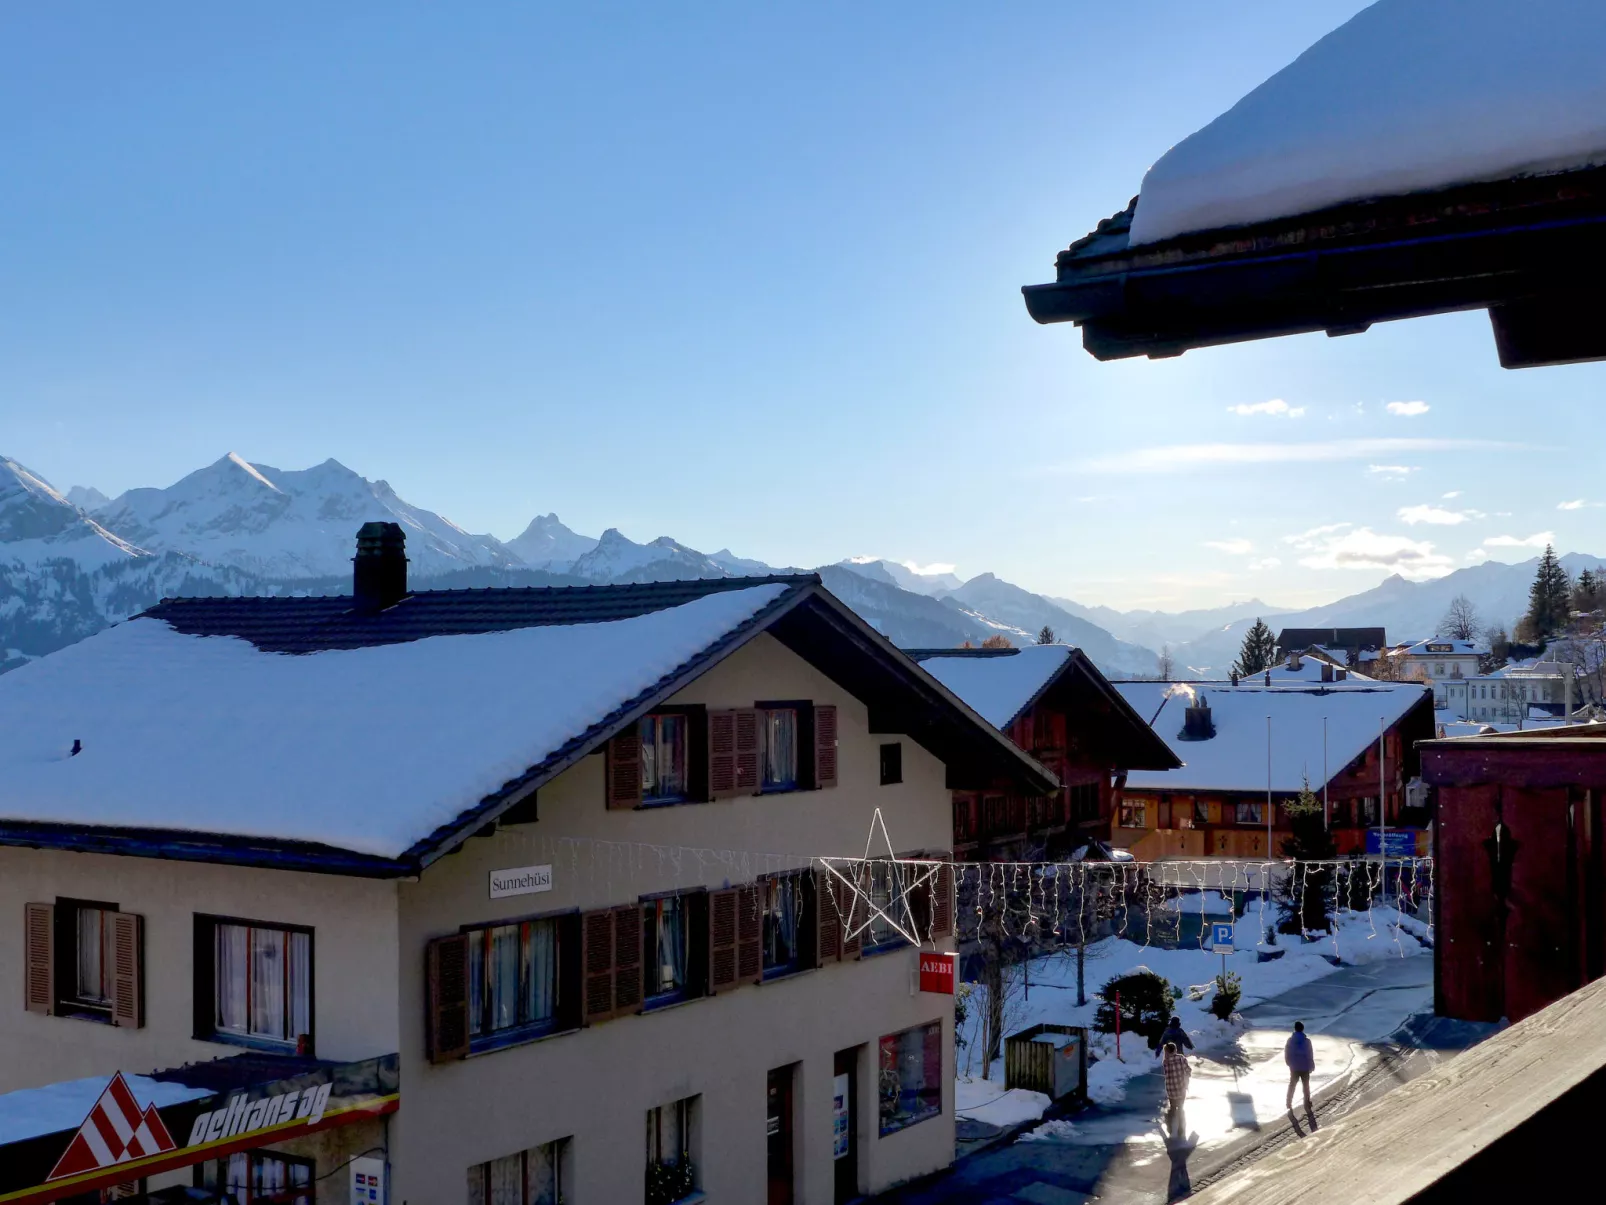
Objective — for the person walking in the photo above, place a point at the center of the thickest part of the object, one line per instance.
(1174, 1067)
(1173, 1032)
(1301, 1059)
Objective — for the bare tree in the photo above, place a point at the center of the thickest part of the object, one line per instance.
(1000, 641)
(1461, 620)
(1165, 664)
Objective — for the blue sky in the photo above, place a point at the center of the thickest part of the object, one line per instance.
(747, 275)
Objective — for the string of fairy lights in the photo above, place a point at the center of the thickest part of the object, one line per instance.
(1042, 904)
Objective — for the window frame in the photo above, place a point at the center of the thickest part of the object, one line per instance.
(805, 924)
(656, 719)
(891, 763)
(205, 985)
(930, 1034)
(802, 742)
(566, 1012)
(694, 911)
(684, 1112)
(559, 1149)
(217, 1171)
(697, 790)
(895, 940)
(67, 1002)
(1239, 811)
(1134, 807)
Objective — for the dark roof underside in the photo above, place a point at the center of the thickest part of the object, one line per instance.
(1531, 251)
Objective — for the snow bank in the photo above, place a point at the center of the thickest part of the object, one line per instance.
(366, 749)
(986, 1101)
(1408, 95)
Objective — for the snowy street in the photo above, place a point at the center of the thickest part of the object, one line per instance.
(1118, 1151)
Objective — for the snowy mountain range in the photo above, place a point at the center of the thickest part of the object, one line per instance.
(73, 561)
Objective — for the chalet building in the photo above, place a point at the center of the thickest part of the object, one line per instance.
(1353, 648)
(1052, 702)
(1246, 745)
(1520, 869)
(505, 897)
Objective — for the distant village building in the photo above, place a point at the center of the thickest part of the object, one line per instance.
(1439, 661)
(1350, 647)
(499, 896)
(1051, 701)
(1248, 746)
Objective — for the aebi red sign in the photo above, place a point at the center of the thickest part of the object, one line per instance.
(937, 973)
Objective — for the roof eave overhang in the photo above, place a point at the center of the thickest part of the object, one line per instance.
(1531, 251)
(185, 846)
(1157, 755)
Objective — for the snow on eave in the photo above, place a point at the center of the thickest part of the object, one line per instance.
(1405, 97)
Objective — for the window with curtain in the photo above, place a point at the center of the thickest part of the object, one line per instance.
(513, 976)
(253, 1177)
(783, 903)
(779, 728)
(886, 894)
(533, 1177)
(263, 982)
(664, 933)
(1251, 813)
(92, 978)
(664, 740)
(1134, 815)
(671, 1167)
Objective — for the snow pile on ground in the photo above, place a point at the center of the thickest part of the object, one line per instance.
(1046, 992)
(983, 1100)
(1407, 95)
(1058, 1130)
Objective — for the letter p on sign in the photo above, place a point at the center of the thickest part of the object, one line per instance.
(1221, 937)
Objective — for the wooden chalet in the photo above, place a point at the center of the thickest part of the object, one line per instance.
(1052, 702)
(1520, 864)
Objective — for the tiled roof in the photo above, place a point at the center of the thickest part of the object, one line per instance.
(310, 625)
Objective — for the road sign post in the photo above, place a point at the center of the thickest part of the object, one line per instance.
(1221, 941)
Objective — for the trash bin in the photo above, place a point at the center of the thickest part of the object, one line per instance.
(1047, 1058)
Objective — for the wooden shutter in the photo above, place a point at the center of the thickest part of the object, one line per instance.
(722, 924)
(128, 956)
(39, 939)
(750, 934)
(747, 752)
(854, 911)
(827, 920)
(824, 747)
(446, 972)
(596, 961)
(722, 755)
(942, 901)
(627, 985)
(624, 769)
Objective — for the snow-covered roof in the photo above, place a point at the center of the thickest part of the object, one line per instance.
(1443, 646)
(363, 749)
(999, 688)
(1310, 670)
(1235, 758)
(1406, 96)
(33, 1112)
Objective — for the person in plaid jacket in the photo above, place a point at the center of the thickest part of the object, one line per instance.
(1174, 1066)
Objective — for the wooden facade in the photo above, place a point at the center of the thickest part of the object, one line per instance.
(1520, 868)
(1157, 825)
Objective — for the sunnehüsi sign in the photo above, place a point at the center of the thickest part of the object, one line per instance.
(520, 880)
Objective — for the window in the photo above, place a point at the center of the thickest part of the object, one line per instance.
(671, 1162)
(1084, 802)
(1135, 815)
(515, 977)
(887, 894)
(784, 899)
(261, 981)
(891, 763)
(910, 1084)
(666, 948)
(532, 1177)
(1438, 670)
(259, 1176)
(665, 739)
(778, 734)
(1251, 813)
(1201, 812)
(994, 814)
(86, 958)
(1368, 810)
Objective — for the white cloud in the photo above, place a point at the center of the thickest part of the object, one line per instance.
(1451, 494)
(1477, 554)
(1305, 538)
(1238, 547)
(1275, 407)
(1578, 504)
(1538, 540)
(931, 570)
(1266, 562)
(1436, 515)
(1364, 548)
(1408, 409)
(1171, 457)
(1395, 471)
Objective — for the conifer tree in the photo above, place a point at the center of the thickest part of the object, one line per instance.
(1549, 597)
(1259, 650)
(1046, 636)
(1305, 896)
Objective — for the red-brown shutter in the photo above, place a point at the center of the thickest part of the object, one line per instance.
(825, 746)
(627, 985)
(127, 963)
(749, 934)
(596, 962)
(39, 938)
(624, 769)
(722, 755)
(942, 900)
(747, 752)
(827, 920)
(855, 912)
(722, 907)
(446, 975)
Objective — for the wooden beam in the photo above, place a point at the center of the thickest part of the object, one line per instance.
(1398, 1148)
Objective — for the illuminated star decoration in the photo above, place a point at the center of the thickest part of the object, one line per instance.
(907, 875)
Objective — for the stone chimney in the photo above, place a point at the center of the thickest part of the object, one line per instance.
(1327, 671)
(379, 570)
(1197, 724)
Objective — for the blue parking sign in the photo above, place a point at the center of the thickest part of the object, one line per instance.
(1221, 937)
